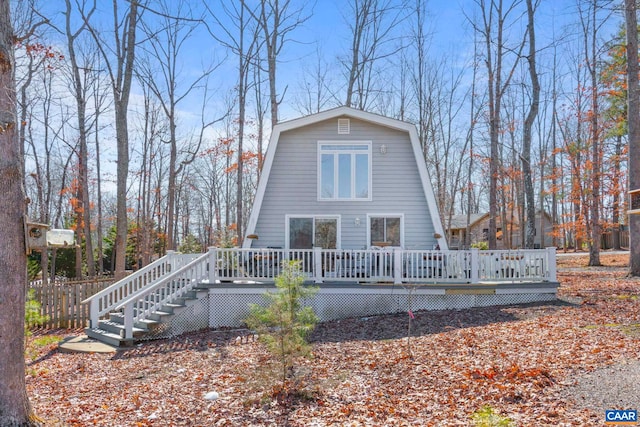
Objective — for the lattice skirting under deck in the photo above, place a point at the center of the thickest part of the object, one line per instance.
(230, 309)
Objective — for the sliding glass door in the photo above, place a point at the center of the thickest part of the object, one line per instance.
(309, 232)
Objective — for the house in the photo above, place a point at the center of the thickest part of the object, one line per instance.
(344, 179)
(509, 237)
(457, 229)
(347, 193)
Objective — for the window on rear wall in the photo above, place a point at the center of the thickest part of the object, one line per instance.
(344, 171)
(385, 230)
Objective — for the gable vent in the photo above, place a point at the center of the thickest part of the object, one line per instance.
(344, 126)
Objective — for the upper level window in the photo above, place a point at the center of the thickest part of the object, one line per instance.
(344, 171)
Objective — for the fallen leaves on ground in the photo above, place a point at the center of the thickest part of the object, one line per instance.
(519, 360)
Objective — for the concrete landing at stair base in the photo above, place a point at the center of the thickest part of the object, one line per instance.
(84, 344)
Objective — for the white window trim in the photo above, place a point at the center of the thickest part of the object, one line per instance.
(385, 215)
(369, 144)
(338, 219)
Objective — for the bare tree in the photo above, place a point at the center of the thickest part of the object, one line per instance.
(15, 409)
(99, 101)
(79, 84)
(34, 76)
(244, 42)
(276, 19)
(633, 117)
(591, 25)
(150, 152)
(119, 64)
(492, 29)
(161, 71)
(371, 26)
(314, 92)
(530, 216)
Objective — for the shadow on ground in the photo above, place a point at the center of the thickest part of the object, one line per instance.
(395, 326)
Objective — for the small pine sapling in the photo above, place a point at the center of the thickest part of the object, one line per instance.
(284, 324)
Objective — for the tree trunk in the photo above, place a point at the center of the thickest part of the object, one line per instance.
(83, 210)
(530, 216)
(617, 207)
(634, 129)
(122, 89)
(596, 228)
(99, 255)
(14, 403)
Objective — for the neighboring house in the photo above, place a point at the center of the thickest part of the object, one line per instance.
(344, 179)
(457, 229)
(510, 237)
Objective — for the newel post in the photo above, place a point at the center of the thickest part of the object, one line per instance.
(94, 308)
(171, 259)
(551, 259)
(475, 265)
(128, 321)
(213, 264)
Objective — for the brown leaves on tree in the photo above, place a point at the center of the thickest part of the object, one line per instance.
(519, 360)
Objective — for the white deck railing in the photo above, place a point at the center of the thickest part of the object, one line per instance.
(172, 276)
(390, 264)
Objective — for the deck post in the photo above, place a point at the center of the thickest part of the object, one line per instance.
(397, 266)
(128, 321)
(171, 260)
(94, 307)
(317, 264)
(551, 260)
(213, 262)
(475, 265)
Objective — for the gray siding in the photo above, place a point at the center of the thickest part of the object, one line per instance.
(396, 187)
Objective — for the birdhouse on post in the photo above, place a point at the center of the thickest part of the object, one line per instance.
(634, 202)
(38, 237)
(35, 236)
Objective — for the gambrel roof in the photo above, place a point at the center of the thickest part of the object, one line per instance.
(346, 112)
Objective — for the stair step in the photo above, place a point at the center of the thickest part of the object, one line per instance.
(190, 297)
(158, 315)
(116, 318)
(118, 328)
(147, 324)
(108, 337)
(170, 306)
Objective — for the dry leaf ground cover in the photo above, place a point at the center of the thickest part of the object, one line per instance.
(527, 362)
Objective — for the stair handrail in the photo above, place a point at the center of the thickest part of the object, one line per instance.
(107, 299)
(196, 271)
